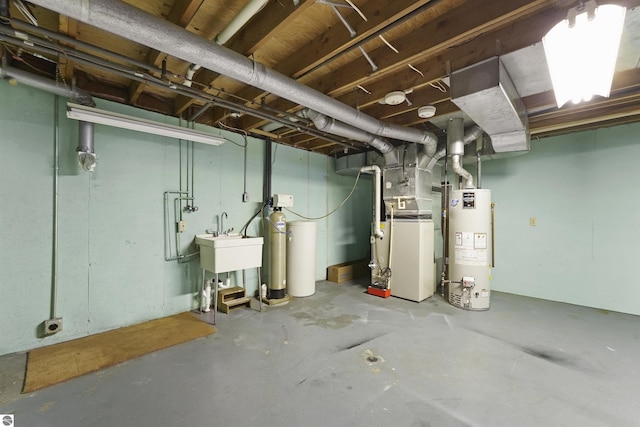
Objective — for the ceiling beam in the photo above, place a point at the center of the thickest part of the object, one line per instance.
(476, 39)
(330, 44)
(68, 27)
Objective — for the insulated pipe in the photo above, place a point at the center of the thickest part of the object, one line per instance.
(331, 125)
(247, 12)
(134, 24)
(4, 8)
(377, 231)
(78, 95)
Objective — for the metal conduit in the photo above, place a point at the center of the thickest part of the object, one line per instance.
(16, 23)
(43, 83)
(134, 24)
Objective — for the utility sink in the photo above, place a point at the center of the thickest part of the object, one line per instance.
(219, 254)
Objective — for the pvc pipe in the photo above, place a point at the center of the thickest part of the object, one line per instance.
(240, 20)
(190, 73)
(377, 231)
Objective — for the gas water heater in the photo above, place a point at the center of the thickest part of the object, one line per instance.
(470, 248)
(470, 230)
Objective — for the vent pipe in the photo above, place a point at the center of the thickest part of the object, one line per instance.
(141, 27)
(332, 126)
(375, 169)
(86, 153)
(455, 143)
(472, 134)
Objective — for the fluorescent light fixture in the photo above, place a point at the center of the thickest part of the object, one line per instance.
(582, 50)
(94, 115)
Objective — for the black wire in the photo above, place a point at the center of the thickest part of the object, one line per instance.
(253, 217)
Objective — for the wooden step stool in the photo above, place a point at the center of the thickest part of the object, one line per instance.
(231, 298)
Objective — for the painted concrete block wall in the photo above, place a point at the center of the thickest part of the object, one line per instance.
(348, 226)
(112, 270)
(582, 190)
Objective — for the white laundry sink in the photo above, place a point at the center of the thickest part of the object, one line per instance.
(219, 254)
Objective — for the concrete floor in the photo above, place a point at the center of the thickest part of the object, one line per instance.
(345, 358)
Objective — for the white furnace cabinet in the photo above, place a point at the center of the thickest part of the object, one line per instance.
(413, 269)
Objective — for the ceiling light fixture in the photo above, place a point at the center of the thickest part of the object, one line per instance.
(94, 115)
(581, 51)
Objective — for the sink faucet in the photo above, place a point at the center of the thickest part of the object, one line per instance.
(222, 230)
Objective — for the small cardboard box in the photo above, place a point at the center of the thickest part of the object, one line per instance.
(344, 272)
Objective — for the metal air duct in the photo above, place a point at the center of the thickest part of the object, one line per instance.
(485, 92)
(331, 125)
(134, 24)
(85, 150)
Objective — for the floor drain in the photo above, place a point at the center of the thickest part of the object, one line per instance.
(372, 359)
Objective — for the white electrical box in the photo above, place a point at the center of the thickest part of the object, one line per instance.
(282, 201)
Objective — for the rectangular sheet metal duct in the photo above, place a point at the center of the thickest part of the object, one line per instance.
(485, 92)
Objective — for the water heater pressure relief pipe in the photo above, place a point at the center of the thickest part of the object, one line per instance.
(377, 231)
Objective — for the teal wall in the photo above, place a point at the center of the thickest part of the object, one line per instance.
(582, 189)
(112, 270)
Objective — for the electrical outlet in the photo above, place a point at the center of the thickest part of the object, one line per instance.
(245, 197)
(52, 326)
(182, 226)
(532, 221)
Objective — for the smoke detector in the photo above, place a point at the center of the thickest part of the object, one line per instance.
(426, 111)
(396, 97)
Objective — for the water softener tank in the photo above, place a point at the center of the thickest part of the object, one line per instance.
(470, 248)
(278, 255)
